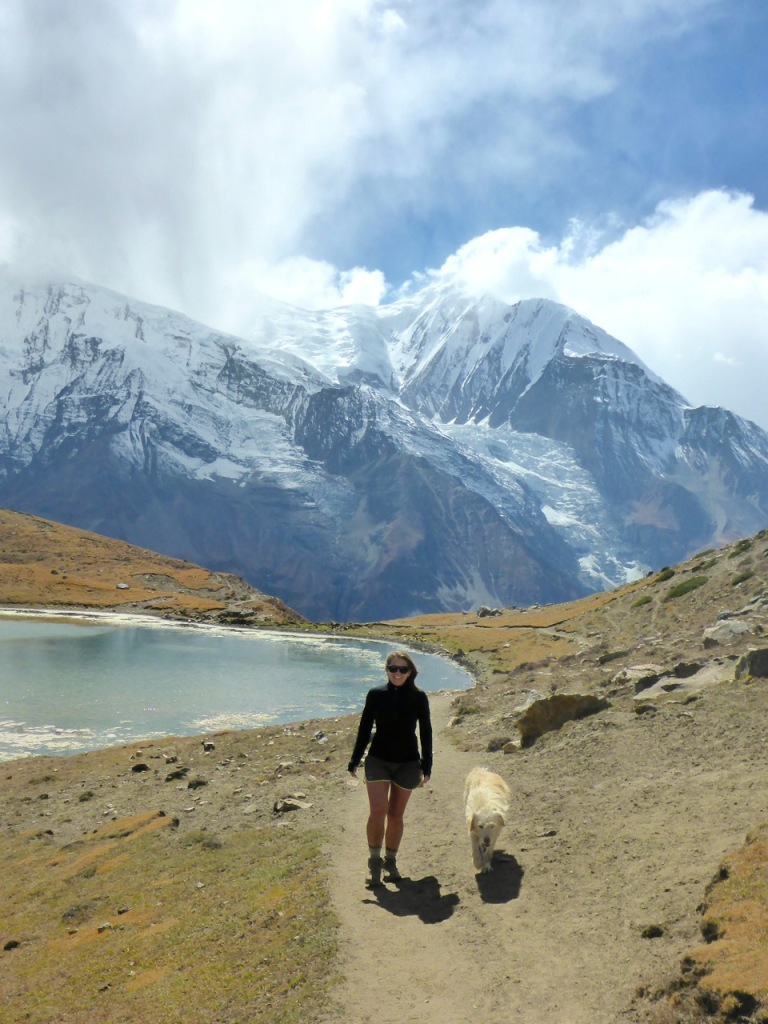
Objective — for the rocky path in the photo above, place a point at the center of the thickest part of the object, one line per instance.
(615, 828)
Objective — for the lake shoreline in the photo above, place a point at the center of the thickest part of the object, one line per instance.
(55, 704)
(92, 616)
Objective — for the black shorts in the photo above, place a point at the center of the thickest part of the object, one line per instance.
(403, 774)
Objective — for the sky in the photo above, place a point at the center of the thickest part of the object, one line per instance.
(199, 154)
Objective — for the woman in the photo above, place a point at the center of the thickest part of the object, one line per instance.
(393, 767)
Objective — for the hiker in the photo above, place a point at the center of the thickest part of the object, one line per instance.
(393, 767)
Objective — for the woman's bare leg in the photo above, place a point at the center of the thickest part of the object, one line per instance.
(398, 801)
(378, 802)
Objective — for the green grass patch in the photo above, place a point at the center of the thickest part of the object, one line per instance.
(742, 576)
(664, 574)
(645, 599)
(158, 925)
(704, 566)
(686, 587)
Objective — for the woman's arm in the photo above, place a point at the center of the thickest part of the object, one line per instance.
(425, 736)
(363, 734)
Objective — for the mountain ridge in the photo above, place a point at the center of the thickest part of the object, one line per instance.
(47, 564)
(436, 457)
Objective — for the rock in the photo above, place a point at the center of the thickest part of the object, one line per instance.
(685, 687)
(292, 802)
(551, 713)
(196, 783)
(753, 664)
(140, 767)
(497, 743)
(208, 746)
(533, 696)
(724, 631)
(639, 676)
(611, 656)
(644, 708)
(484, 611)
(683, 670)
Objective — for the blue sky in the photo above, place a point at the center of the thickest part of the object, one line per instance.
(611, 156)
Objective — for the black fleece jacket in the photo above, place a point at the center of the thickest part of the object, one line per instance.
(395, 711)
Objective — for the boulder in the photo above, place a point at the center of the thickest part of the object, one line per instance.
(639, 676)
(685, 686)
(753, 664)
(724, 631)
(552, 712)
(292, 802)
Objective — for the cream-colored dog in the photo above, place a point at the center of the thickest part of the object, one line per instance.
(486, 804)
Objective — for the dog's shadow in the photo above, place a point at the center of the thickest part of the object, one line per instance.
(418, 896)
(503, 883)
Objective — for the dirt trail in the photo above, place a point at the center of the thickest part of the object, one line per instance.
(599, 847)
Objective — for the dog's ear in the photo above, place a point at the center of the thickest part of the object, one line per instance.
(473, 823)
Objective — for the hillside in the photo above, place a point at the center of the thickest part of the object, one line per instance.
(43, 563)
(428, 456)
(631, 882)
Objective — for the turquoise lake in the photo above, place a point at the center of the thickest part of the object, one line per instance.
(66, 688)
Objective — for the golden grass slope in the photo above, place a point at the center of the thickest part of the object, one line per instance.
(109, 906)
(43, 563)
(129, 896)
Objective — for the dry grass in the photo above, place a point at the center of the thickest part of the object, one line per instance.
(45, 563)
(735, 920)
(128, 896)
(140, 918)
(726, 977)
(229, 921)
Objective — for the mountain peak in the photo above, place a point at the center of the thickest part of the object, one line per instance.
(437, 453)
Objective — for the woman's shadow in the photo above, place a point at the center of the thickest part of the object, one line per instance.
(418, 896)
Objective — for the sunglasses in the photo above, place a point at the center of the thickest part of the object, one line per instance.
(398, 668)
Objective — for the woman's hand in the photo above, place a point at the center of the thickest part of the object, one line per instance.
(353, 774)
(425, 779)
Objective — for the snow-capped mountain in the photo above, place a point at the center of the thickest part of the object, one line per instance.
(431, 455)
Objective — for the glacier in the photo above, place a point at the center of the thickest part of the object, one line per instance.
(428, 455)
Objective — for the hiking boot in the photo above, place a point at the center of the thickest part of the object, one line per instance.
(375, 865)
(391, 874)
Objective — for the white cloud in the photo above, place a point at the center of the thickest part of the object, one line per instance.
(310, 284)
(687, 290)
(167, 149)
(185, 152)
